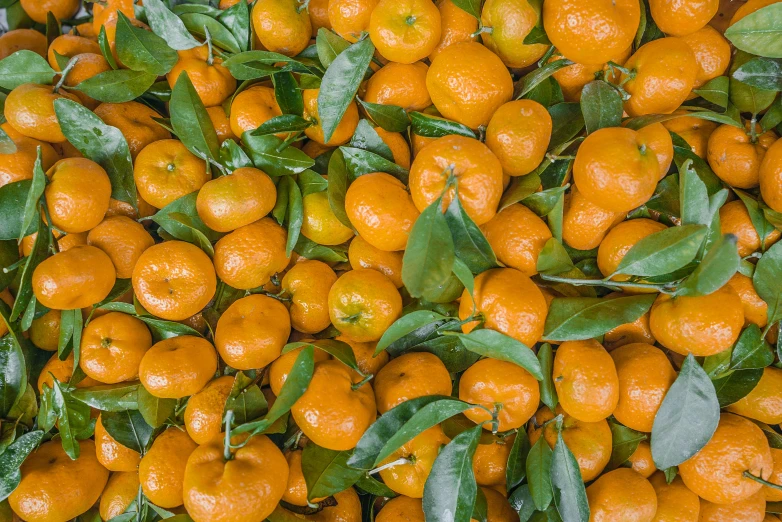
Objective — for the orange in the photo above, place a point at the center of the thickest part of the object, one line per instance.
(586, 380)
(456, 26)
(734, 158)
(120, 492)
(331, 413)
(734, 219)
(695, 131)
(498, 509)
(518, 134)
(349, 18)
(701, 325)
(22, 39)
(87, 65)
(345, 128)
(8, 299)
(409, 376)
(584, 223)
(400, 150)
(665, 72)
(771, 494)
(204, 411)
(110, 27)
(400, 84)
(571, 25)
(174, 280)
(657, 138)
(675, 502)
(641, 460)
(107, 12)
(281, 367)
(282, 26)
(468, 82)
(381, 210)
(112, 346)
(517, 236)
(477, 170)
(348, 509)
(408, 478)
(750, 7)
(319, 222)
(296, 488)
(590, 442)
(64, 242)
(213, 82)
(178, 367)
(76, 278)
(752, 509)
(363, 255)
(29, 109)
(712, 53)
(123, 240)
(165, 171)
(365, 356)
(490, 462)
(623, 495)
(253, 107)
(573, 78)
(764, 402)
(18, 165)
(401, 508)
(508, 22)
(682, 18)
(111, 454)
(250, 255)
(134, 120)
(510, 303)
(252, 331)
(38, 10)
(715, 473)
(229, 202)
(636, 332)
(162, 469)
(620, 240)
(69, 45)
(405, 31)
(770, 175)
(502, 387)
(77, 195)
(319, 15)
(221, 123)
(755, 308)
(62, 371)
(307, 285)
(53, 487)
(363, 303)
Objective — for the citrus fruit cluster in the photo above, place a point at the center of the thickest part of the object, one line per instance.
(392, 260)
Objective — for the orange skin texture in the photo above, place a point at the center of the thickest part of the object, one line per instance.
(22, 39)
(510, 303)
(584, 223)
(682, 18)
(409, 376)
(62, 371)
(750, 7)
(616, 169)
(135, 121)
(405, 31)
(401, 508)
(281, 367)
(18, 165)
(87, 65)
(771, 494)
(755, 308)
(517, 235)
(111, 454)
(657, 138)
(381, 210)
(250, 255)
(348, 509)
(752, 509)
(345, 128)
(641, 460)
(401, 84)
(29, 109)
(296, 488)
(77, 195)
(178, 367)
(112, 347)
(213, 83)
(330, 413)
(400, 150)
(174, 280)
(468, 82)
(319, 15)
(38, 10)
(120, 491)
(621, 494)
(490, 382)
(518, 134)
(64, 242)
(222, 124)
(675, 502)
(573, 78)
(764, 402)
(703, 325)
(364, 353)
(244, 489)
(712, 53)
(69, 45)
(734, 219)
(408, 479)
(8, 299)
(307, 284)
(162, 469)
(715, 473)
(253, 107)
(123, 240)
(665, 74)
(363, 303)
(586, 380)
(645, 375)
(76, 278)
(280, 28)
(498, 509)
(456, 26)
(349, 18)
(770, 175)
(734, 158)
(636, 332)
(165, 171)
(490, 461)
(204, 410)
(591, 32)
(229, 202)
(103, 14)
(590, 442)
(620, 240)
(511, 21)
(363, 255)
(54, 487)
(252, 332)
(320, 224)
(694, 131)
(477, 170)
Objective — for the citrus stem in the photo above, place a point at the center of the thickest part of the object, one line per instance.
(398, 462)
(210, 59)
(64, 74)
(482, 29)
(662, 288)
(303, 6)
(753, 133)
(229, 416)
(355, 386)
(759, 480)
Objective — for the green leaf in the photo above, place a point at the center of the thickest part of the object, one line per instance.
(340, 350)
(516, 469)
(281, 124)
(539, 474)
(162, 329)
(311, 250)
(389, 117)
(40, 251)
(687, 418)
(13, 457)
(71, 418)
(287, 93)
(198, 24)
(496, 345)
(715, 91)
(269, 154)
(624, 442)
(694, 197)
(519, 189)
(470, 245)
(167, 25)
(24, 67)
(579, 318)
(374, 487)
(663, 252)
(472, 7)
(751, 350)
(246, 400)
(429, 255)
(110, 397)
(190, 120)
(105, 48)
(360, 162)
(366, 137)
(521, 502)
(435, 127)
(736, 385)
(311, 182)
(142, 50)
(128, 428)
(326, 471)
(762, 73)
(9, 255)
(170, 219)
(715, 269)
(295, 214)
(759, 33)
(642, 121)
(338, 186)
(33, 196)
(405, 325)
(329, 45)
(601, 105)
(768, 274)
(154, 409)
(233, 156)
(548, 392)
(759, 221)
(117, 86)
(13, 370)
(534, 78)
(569, 493)
(544, 202)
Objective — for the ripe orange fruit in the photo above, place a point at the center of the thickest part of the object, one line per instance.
(755, 308)
(87, 65)
(401, 508)
(363, 303)
(22, 39)
(510, 22)
(490, 462)
(467, 83)
(622, 494)
(77, 195)
(734, 219)
(620, 240)
(77, 278)
(363, 255)
(573, 78)
(682, 18)
(162, 469)
(29, 109)
(8, 299)
(229, 202)
(61, 9)
(641, 460)
(123, 240)
(657, 138)
(734, 158)
(121, 490)
(282, 26)
(405, 31)
(62, 371)
(319, 15)
(408, 478)
(174, 280)
(212, 81)
(134, 120)
(222, 124)
(748, 8)
(674, 501)
(349, 18)
(401, 84)
(712, 53)
(250, 255)
(319, 222)
(18, 165)
(204, 410)
(770, 175)
(517, 235)
(307, 285)
(111, 454)
(584, 223)
(409, 376)
(165, 171)
(771, 494)
(400, 150)
(456, 26)
(695, 131)
(296, 488)
(253, 107)
(69, 45)
(345, 128)
(178, 367)
(752, 509)
(586, 380)
(281, 367)
(636, 332)
(112, 347)
(518, 134)
(364, 353)
(764, 402)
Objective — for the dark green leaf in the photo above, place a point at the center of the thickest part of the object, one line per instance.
(366, 137)
(326, 471)
(105, 48)
(601, 105)
(24, 67)
(516, 470)
(407, 324)
(715, 91)
(472, 7)
(198, 24)
(329, 45)
(311, 250)
(128, 428)
(429, 254)
(389, 117)
(32, 203)
(569, 493)
(521, 502)
(167, 25)
(435, 127)
(338, 186)
(110, 397)
(548, 392)
(496, 345)
(13, 457)
(713, 272)
(295, 214)
(233, 156)
(736, 385)
(578, 318)
(470, 245)
(287, 93)
(237, 19)
(142, 50)
(40, 251)
(751, 350)
(117, 86)
(539, 474)
(768, 274)
(519, 189)
(246, 400)
(694, 197)
(154, 409)
(269, 154)
(663, 252)
(190, 120)
(624, 442)
(534, 78)
(360, 162)
(13, 371)
(642, 121)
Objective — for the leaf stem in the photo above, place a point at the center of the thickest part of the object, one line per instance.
(662, 288)
(229, 415)
(760, 480)
(64, 74)
(356, 385)
(398, 462)
(210, 59)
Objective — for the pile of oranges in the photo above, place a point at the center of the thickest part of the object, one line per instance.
(393, 260)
